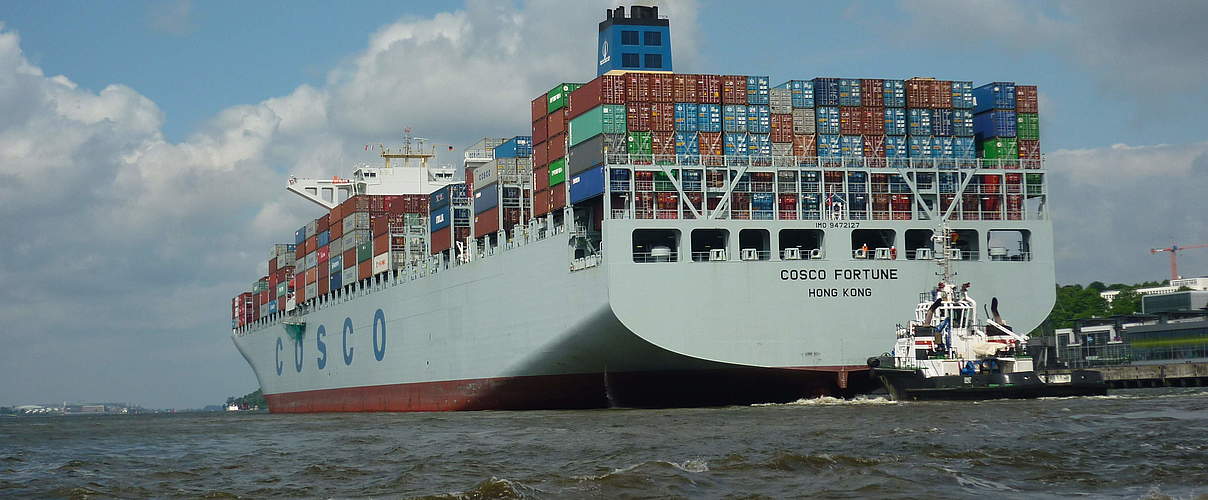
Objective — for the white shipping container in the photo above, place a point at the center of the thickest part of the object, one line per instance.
(381, 263)
(312, 259)
(355, 221)
(312, 291)
(804, 121)
(336, 247)
(780, 100)
(312, 228)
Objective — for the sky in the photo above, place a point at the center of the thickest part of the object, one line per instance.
(144, 146)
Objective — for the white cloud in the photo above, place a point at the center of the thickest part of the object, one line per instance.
(129, 246)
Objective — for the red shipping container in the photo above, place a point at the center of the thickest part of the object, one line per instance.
(1026, 99)
(264, 297)
(337, 229)
(782, 128)
(322, 224)
(711, 143)
(300, 251)
(805, 145)
(350, 256)
(541, 177)
(874, 146)
(324, 287)
(662, 87)
(733, 89)
(556, 122)
(851, 121)
(872, 92)
(874, 120)
(612, 89)
(557, 146)
(540, 159)
(1029, 149)
(470, 175)
(381, 244)
(272, 266)
(323, 254)
(442, 239)
(637, 116)
(585, 98)
(941, 93)
(312, 275)
(636, 87)
(324, 272)
(919, 92)
(540, 107)
(486, 223)
(540, 130)
(667, 201)
(663, 143)
(378, 226)
(684, 87)
(557, 198)
(255, 311)
(662, 117)
(708, 89)
(300, 294)
(541, 201)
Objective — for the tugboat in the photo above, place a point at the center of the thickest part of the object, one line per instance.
(945, 353)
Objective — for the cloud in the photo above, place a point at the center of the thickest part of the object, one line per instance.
(1112, 204)
(123, 249)
(172, 17)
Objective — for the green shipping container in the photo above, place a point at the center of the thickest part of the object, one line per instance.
(560, 94)
(365, 252)
(1027, 126)
(640, 143)
(557, 172)
(603, 119)
(1001, 148)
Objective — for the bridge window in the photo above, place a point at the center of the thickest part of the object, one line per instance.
(918, 244)
(965, 241)
(869, 244)
(653, 38)
(654, 61)
(709, 244)
(656, 245)
(800, 244)
(754, 244)
(630, 60)
(629, 38)
(1009, 245)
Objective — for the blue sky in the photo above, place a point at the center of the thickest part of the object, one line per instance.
(149, 141)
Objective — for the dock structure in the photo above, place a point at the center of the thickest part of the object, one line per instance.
(1157, 375)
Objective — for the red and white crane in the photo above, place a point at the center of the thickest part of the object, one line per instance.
(1174, 256)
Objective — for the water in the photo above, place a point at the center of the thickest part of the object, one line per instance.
(1132, 444)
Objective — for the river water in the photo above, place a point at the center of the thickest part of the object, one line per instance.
(1131, 444)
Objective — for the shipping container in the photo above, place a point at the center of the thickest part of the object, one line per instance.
(441, 240)
(991, 96)
(662, 117)
(365, 251)
(941, 122)
(805, 145)
(710, 143)
(540, 131)
(1027, 126)
(381, 263)
(999, 148)
(850, 120)
(541, 178)
(894, 121)
(559, 95)
(440, 218)
(486, 199)
(801, 92)
(759, 119)
(300, 235)
(758, 90)
(894, 93)
(555, 123)
(516, 147)
(555, 148)
(994, 124)
(782, 128)
(962, 123)
(446, 194)
(849, 92)
(638, 116)
(603, 119)
(557, 172)
(1026, 99)
(662, 87)
(872, 92)
(708, 89)
(922, 146)
(827, 119)
(962, 95)
(685, 87)
(686, 116)
(708, 118)
(734, 118)
(851, 146)
(896, 147)
(828, 145)
(1029, 149)
(804, 121)
(760, 145)
(486, 222)
(557, 199)
(918, 121)
(541, 202)
(540, 107)
(735, 144)
(964, 148)
(733, 89)
(780, 100)
(587, 185)
(826, 92)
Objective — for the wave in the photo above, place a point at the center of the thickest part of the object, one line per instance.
(832, 401)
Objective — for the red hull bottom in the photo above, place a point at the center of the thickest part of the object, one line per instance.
(663, 389)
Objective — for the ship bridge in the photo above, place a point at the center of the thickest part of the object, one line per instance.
(406, 170)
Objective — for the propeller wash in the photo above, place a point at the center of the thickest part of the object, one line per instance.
(660, 239)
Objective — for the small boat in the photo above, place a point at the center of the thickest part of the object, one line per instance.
(946, 353)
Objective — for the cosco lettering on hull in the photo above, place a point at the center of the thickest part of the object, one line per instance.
(347, 351)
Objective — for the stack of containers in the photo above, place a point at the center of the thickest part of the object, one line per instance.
(939, 121)
(243, 309)
(551, 116)
(996, 122)
(601, 124)
(502, 187)
(449, 218)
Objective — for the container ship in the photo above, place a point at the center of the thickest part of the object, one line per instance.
(659, 239)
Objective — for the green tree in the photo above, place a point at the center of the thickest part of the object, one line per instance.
(1097, 285)
(1128, 301)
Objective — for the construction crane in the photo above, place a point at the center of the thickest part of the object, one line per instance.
(1174, 257)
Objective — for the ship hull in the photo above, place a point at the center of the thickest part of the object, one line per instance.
(911, 385)
(520, 330)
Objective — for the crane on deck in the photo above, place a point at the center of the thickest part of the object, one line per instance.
(1174, 256)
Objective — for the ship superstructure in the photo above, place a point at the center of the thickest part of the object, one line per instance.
(640, 248)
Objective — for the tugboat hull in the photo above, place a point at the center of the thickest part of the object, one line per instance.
(911, 385)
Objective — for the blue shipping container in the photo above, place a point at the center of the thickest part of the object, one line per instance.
(759, 119)
(324, 238)
(734, 144)
(997, 95)
(335, 280)
(994, 124)
(272, 306)
(300, 236)
(962, 123)
(708, 117)
(828, 145)
(941, 122)
(334, 265)
(896, 147)
(964, 148)
(826, 91)
(921, 146)
(851, 146)
(759, 144)
(943, 147)
(440, 218)
(801, 92)
(520, 146)
(827, 120)
(686, 143)
(962, 95)
(686, 117)
(587, 184)
(918, 121)
(849, 91)
(734, 118)
(757, 90)
(444, 195)
(894, 93)
(762, 201)
(895, 121)
(486, 199)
